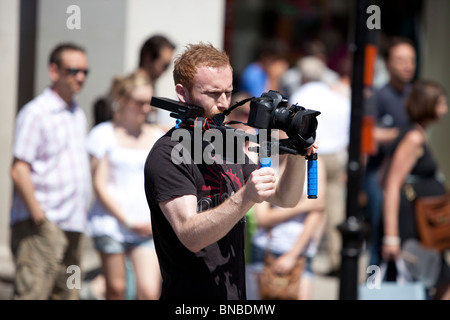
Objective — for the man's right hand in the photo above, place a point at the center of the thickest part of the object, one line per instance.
(38, 217)
(260, 185)
(21, 177)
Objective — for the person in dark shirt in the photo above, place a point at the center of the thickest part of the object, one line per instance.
(389, 108)
(198, 209)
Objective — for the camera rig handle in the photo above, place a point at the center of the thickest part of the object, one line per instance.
(312, 175)
(265, 162)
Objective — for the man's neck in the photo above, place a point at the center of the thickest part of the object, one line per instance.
(68, 98)
(397, 85)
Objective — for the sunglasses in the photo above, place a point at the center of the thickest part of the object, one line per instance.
(75, 71)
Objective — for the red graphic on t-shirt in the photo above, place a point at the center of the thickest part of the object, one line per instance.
(220, 183)
(219, 180)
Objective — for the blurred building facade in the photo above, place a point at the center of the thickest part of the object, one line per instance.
(112, 31)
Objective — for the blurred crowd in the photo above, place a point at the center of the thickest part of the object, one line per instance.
(73, 182)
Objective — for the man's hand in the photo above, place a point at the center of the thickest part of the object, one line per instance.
(21, 177)
(312, 149)
(38, 217)
(260, 185)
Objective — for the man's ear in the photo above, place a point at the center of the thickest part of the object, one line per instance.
(182, 93)
(53, 72)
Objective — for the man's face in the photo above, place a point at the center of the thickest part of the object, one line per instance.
(161, 64)
(402, 63)
(70, 76)
(212, 89)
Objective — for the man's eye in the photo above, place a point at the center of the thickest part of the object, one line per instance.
(214, 94)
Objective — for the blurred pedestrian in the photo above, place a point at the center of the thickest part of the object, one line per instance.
(289, 234)
(388, 105)
(155, 56)
(264, 73)
(292, 78)
(50, 173)
(119, 221)
(412, 163)
(333, 134)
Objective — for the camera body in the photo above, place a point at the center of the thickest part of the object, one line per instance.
(272, 111)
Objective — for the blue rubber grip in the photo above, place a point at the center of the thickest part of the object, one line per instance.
(312, 177)
(265, 162)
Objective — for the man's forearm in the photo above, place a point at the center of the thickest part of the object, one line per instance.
(22, 182)
(290, 185)
(199, 230)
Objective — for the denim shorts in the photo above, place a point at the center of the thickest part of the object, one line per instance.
(108, 245)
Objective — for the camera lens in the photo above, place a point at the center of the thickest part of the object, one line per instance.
(281, 118)
(303, 126)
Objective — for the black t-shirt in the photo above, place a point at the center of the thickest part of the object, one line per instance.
(217, 271)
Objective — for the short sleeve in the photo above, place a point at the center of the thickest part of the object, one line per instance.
(100, 139)
(165, 179)
(28, 135)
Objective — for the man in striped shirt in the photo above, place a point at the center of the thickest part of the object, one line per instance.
(51, 177)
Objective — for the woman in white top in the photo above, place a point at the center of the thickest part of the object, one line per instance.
(119, 221)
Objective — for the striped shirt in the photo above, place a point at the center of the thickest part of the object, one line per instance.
(50, 136)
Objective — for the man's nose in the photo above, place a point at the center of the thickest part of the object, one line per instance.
(81, 76)
(222, 101)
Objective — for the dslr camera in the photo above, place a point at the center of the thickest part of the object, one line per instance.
(272, 111)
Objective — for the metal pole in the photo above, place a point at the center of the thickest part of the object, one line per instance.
(353, 229)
